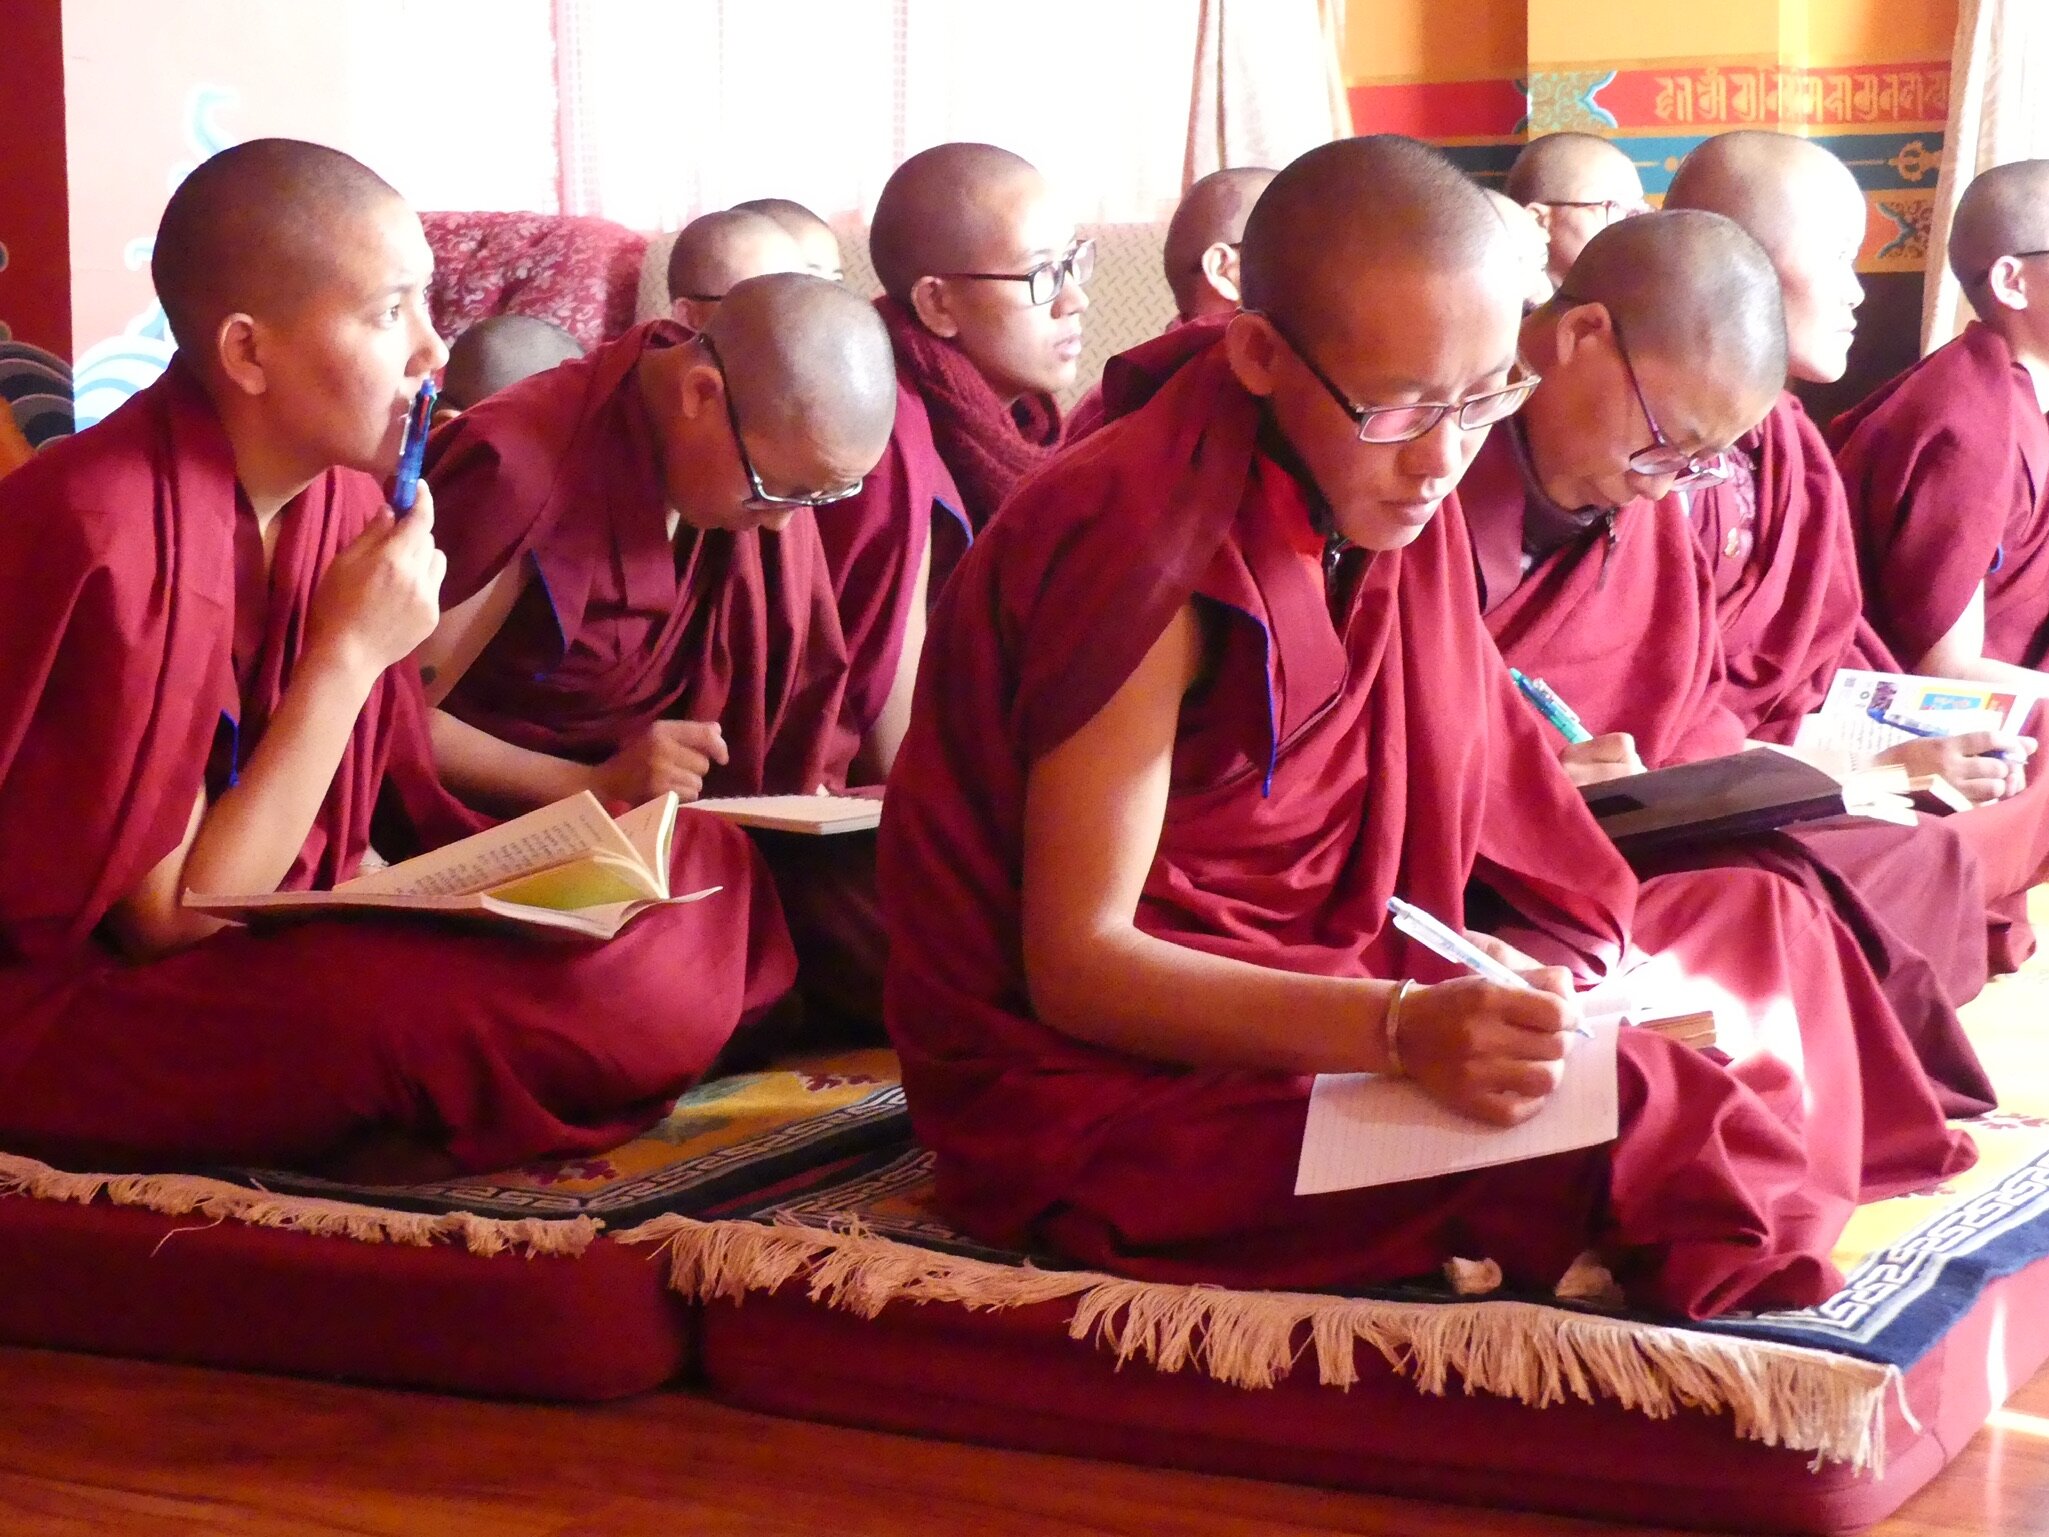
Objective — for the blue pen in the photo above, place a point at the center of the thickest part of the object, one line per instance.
(412, 450)
(1913, 728)
(1453, 946)
(1544, 699)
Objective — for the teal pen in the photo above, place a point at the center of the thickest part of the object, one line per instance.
(1544, 699)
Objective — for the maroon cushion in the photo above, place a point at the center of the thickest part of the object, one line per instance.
(581, 273)
(125, 1281)
(1015, 1379)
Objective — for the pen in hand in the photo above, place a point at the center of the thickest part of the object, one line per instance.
(1453, 946)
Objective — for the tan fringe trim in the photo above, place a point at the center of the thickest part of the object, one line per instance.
(1782, 1395)
(180, 1195)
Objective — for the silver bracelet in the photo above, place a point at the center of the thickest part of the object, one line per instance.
(1394, 1025)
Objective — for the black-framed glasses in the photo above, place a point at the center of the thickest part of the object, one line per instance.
(1661, 456)
(1048, 278)
(1404, 424)
(764, 500)
(1986, 276)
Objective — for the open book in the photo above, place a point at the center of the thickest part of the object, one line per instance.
(1747, 792)
(1857, 718)
(567, 867)
(815, 814)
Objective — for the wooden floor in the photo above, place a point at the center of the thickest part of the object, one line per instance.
(89, 1445)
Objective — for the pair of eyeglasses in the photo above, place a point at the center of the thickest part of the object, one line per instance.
(1048, 278)
(1404, 424)
(1661, 456)
(1611, 208)
(764, 500)
(1986, 276)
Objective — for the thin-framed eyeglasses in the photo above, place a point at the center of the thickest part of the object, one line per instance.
(1661, 456)
(1046, 280)
(1406, 423)
(1986, 276)
(1612, 208)
(764, 500)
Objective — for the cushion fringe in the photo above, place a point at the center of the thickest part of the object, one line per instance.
(1781, 1395)
(182, 1195)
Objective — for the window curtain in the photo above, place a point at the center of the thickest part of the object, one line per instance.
(668, 108)
(1998, 111)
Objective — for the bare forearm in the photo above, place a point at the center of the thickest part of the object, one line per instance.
(254, 832)
(1984, 669)
(488, 771)
(1153, 998)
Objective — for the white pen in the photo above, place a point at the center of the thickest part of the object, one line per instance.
(1442, 940)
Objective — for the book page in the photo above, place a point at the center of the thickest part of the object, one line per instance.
(538, 841)
(650, 829)
(1367, 1130)
(1950, 706)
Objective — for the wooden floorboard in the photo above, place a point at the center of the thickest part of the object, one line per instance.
(95, 1446)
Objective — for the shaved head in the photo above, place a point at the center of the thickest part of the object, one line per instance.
(254, 230)
(814, 237)
(1376, 276)
(1351, 211)
(1770, 183)
(808, 362)
(1576, 184)
(501, 350)
(1212, 212)
(1694, 289)
(1669, 333)
(1805, 208)
(944, 210)
(1571, 168)
(717, 250)
(2004, 212)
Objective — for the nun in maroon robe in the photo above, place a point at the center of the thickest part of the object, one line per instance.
(1614, 608)
(1947, 472)
(145, 654)
(1782, 548)
(1357, 740)
(625, 624)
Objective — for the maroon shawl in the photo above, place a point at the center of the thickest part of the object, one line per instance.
(874, 544)
(1620, 620)
(623, 626)
(1783, 553)
(1947, 472)
(989, 446)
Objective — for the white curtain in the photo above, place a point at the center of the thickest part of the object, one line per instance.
(672, 107)
(1998, 111)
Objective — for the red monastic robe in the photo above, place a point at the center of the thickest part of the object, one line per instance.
(1620, 618)
(624, 625)
(1782, 548)
(874, 544)
(1947, 472)
(1349, 747)
(1782, 554)
(140, 668)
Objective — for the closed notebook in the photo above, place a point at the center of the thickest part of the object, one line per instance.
(1715, 798)
(813, 814)
(569, 868)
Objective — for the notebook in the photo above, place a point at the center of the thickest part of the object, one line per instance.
(814, 814)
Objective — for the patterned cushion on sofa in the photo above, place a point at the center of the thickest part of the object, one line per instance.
(578, 272)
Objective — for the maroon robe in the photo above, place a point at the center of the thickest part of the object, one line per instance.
(1783, 550)
(1346, 748)
(1947, 472)
(1618, 615)
(1783, 557)
(306, 1044)
(624, 625)
(874, 544)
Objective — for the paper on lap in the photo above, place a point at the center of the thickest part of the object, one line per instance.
(1366, 1130)
(819, 814)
